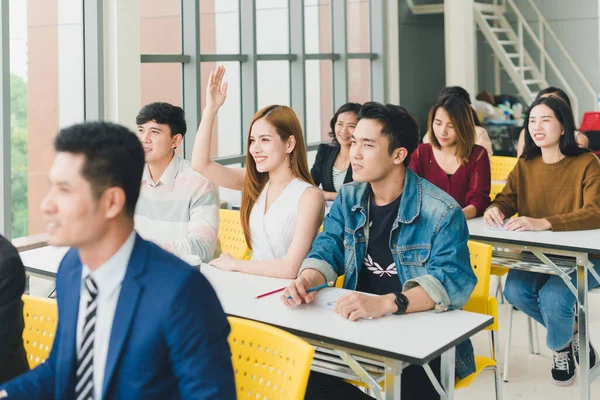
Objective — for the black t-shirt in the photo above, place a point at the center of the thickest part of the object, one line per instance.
(378, 273)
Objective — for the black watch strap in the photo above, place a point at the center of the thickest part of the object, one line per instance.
(401, 302)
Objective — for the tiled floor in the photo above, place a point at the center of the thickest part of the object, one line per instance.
(529, 375)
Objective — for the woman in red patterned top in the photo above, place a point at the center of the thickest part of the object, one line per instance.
(452, 161)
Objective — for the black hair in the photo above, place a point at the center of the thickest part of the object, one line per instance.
(463, 94)
(348, 107)
(399, 125)
(163, 113)
(555, 92)
(567, 144)
(113, 157)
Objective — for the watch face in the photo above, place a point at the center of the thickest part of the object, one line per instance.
(402, 303)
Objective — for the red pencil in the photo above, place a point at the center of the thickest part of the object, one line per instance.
(271, 292)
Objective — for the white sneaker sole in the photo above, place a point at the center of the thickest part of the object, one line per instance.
(565, 383)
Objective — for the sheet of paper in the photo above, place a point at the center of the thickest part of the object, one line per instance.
(326, 298)
(495, 228)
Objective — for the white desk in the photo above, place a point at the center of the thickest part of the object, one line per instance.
(44, 261)
(575, 244)
(415, 339)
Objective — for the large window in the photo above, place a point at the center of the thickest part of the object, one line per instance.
(47, 93)
(313, 55)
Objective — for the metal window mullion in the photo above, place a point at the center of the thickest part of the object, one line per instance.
(297, 66)
(249, 77)
(378, 26)
(339, 40)
(5, 200)
(164, 58)
(190, 31)
(223, 57)
(93, 59)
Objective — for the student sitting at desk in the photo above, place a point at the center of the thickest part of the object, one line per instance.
(452, 161)
(482, 137)
(134, 320)
(178, 208)
(581, 138)
(554, 186)
(276, 186)
(13, 360)
(332, 164)
(394, 235)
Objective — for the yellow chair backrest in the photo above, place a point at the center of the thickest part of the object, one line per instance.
(495, 188)
(268, 362)
(502, 166)
(41, 319)
(481, 262)
(231, 234)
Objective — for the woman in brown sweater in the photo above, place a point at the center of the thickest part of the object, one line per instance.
(554, 186)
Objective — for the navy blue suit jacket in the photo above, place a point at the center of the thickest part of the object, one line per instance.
(168, 338)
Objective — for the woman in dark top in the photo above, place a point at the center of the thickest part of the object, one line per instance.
(13, 360)
(452, 161)
(332, 164)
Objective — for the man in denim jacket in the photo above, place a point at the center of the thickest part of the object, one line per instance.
(414, 257)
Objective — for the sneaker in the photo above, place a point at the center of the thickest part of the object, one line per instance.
(593, 354)
(563, 367)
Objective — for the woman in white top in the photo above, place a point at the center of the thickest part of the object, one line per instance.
(276, 187)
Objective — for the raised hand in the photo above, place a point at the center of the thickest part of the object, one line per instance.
(216, 90)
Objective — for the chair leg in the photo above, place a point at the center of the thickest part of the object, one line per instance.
(500, 290)
(495, 356)
(530, 334)
(536, 337)
(508, 343)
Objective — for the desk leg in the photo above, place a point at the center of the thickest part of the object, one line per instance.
(393, 378)
(584, 344)
(447, 373)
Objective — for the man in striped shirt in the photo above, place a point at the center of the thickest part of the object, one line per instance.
(178, 208)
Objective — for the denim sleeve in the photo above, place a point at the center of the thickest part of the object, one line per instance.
(450, 279)
(327, 252)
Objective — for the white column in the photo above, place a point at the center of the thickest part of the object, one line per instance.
(393, 52)
(122, 87)
(461, 45)
(70, 63)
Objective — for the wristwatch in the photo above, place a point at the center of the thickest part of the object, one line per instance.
(402, 303)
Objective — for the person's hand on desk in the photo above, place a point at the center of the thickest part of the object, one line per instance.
(356, 305)
(297, 290)
(225, 262)
(493, 217)
(521, 224)
(309, 278)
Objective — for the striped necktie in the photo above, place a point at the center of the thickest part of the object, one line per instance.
(84, 389)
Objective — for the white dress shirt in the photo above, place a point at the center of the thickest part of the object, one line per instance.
(108, 277)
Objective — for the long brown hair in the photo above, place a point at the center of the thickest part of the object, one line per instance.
(286, 123)
(461, 118)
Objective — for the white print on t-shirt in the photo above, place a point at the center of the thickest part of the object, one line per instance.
(377, 270)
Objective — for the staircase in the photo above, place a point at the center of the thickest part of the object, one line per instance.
(508, 47)
(529, 75)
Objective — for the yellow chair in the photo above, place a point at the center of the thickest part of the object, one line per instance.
(495, 189)
(231, 234)
(502, 166)
(268, 362)
(41, 318)
(480, 302)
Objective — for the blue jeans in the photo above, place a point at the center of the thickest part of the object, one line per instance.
(548, 300)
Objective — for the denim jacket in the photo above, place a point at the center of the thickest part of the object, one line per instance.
(428, 243)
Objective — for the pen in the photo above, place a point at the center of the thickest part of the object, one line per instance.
(271, 292)
(317, 288)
